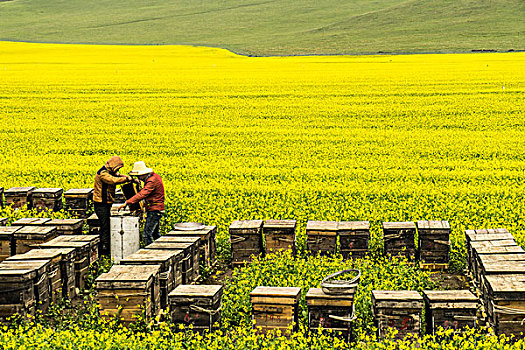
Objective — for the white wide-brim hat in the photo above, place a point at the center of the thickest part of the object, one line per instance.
(139, 168)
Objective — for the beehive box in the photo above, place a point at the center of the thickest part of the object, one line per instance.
(397, 309)
(129, 291)
(170, 274)
(481, 235)
(67, 226)
(246, 240)
(353, 238)
(434, 244)
(82, 257)
(3, 221)
(196, 305)
(94, 224)
(275, 308)
(195, 250)
(506, 304)
(94, 241)
(490, 248)
(54, 270)
(17, 197)
(31, 222)
(47, 199)
(28, 237)
(279, 235)
(79, 201)
(207, 243)
(67, 270)
(17, 293)
(487, 259)
(450, 309)
(328, 311)
(399, 239)
(321, 237)
(188, 250)
(40, 281)
(7, 246)
(498, 268)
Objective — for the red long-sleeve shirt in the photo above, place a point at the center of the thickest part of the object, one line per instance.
(152, 193)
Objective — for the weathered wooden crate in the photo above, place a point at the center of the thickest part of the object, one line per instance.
(82, 257)
(491, 248)
(94, 242)
(397, 309)
(31, 222)
(196, 305)
(207, 243)
(483, 235)
(279, 235)
(17, 197)
(321, 237)
(28, 237)
(434, 242)
(246, 240)
(194, 251)
(41, 285)
(67, 270)
(353, 238)
(488, 259)
(17, 292)
(79, 201)
(498, 268)
(450, 309)
(505, 304)
(329, 311)
(7, 246)
(186, 263)
(3, 221)
(54, 271)
(275, 308)
(170, 274)
(129, 291)
(94, 224)
(399, 239)
(67, 226)
(47, 199)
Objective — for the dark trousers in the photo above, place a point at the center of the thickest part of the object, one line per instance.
(152, 226)
(103, 211)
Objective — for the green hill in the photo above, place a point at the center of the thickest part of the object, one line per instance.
(274, 27)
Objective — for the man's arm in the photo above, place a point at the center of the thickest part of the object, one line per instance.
(143, 193)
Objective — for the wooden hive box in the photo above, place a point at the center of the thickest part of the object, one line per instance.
(246, 240)
(17, 292)
(434, 244)
(31, 222)
(506, 304)
(129, 291)
(498, 268)
(484, 259)
(353, 238)
(3, 221)
(67, 226)
(54, 270)
(275, 308)
(170, 274)
(17, 197)
(94, 224)
(67, 270)
(47, 199)
(321, 237)
(79, 201)
(483, 235)
(399, 239)
(207, 243)
(490, 248)
(28, 237)
(82, 257)
(330, 311)
(41, 285)
(7, 246)
(196, 305)
(195, 250)
(397, 309)
(186, 262)
(93, 240)
(450, 309)
(279, 235)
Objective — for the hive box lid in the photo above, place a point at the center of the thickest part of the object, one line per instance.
(488, 245)
(17, 191)
(490, 250)
(65, 222)
(31, 221)
(486, 231)
(399, 225)
(78, 238)
(37, 254)
(433, 225)
(276, 295)
(115, 278)
(151, 256)
(511, 287)
(178, 238)
(316, 296)
(16, 272)
(397, 295)
(450, 295)
(45, 192)
(353, 225)
(280, 224)
(491, 237)
(9, 230)
(502, 257)
(246, 224)
(93, 219)
(176, 246)
(313, 225)
(196, 291)
(64, 244)
(39, 266)
(78, 192)
(203, 233)
(504, 268)
(35, 230)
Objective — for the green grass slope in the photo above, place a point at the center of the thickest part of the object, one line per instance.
(274, 27)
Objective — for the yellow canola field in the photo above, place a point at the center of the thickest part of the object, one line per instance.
(379, 138)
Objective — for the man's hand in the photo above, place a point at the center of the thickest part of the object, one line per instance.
(123, 206)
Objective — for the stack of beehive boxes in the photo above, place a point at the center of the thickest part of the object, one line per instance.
(434, 244)
(400, 310)
(79, 201)
(189, 247)
(246, 240)
(275, 308)
(49, 199)
(17, 197)
(207, 244)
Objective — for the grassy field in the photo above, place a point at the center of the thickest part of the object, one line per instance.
(259, 27)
